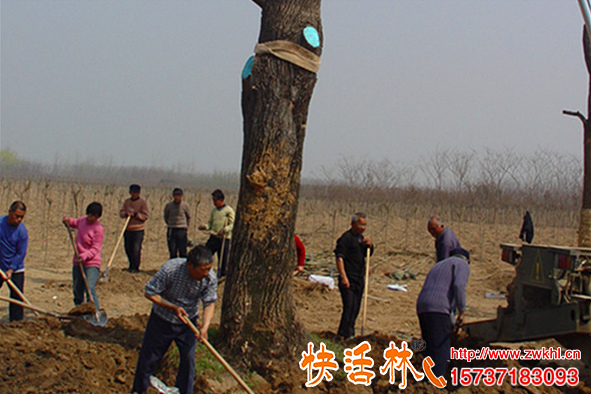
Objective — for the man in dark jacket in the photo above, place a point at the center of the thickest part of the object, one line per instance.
(350, 255)
(527, 229)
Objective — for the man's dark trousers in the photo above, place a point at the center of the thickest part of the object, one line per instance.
(436, 330)
(157, 338)
(16, 312)
(133, 248)
(351, 298)
(177, 242)
(215, 245)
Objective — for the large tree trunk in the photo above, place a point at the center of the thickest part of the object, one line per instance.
(585, 219)
(258, 312)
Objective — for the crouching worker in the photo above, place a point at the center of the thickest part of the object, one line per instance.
(175, 291)
(443, 292)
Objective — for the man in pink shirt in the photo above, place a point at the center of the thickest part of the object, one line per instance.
(89, 242)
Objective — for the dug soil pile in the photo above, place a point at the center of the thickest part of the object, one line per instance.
(52, 356)
(46, 355)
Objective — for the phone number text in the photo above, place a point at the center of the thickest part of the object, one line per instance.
(515, 376)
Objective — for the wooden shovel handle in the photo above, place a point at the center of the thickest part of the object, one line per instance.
(34, 308)
(16, 289)
(217, 355)
(118, 242)
(365, 290)
(80, 265)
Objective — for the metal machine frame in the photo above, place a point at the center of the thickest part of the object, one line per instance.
(549, 297)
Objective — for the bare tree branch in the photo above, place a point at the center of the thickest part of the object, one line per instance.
(578, 114)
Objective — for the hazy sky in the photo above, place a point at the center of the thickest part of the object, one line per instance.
(147, 82)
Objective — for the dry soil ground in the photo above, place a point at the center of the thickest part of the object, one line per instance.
(46, 355)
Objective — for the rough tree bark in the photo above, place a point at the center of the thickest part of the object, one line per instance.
(258, 313)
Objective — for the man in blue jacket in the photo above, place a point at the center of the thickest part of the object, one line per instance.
(445, 239)
(443, 293)
(14, 240)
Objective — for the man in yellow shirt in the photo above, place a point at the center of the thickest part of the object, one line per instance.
(219, 226)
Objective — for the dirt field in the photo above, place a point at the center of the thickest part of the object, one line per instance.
(46, 355)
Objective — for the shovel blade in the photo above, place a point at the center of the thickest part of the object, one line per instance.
(97, 319)
(161, 387)
(105, 276)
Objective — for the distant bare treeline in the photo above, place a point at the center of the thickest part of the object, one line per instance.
(444, 179)
(109, 173)
(482, 196)
(491, 189)
(490, 177)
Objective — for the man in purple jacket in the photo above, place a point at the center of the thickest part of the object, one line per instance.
(445, 239)
(443, 292)
(14, 240)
